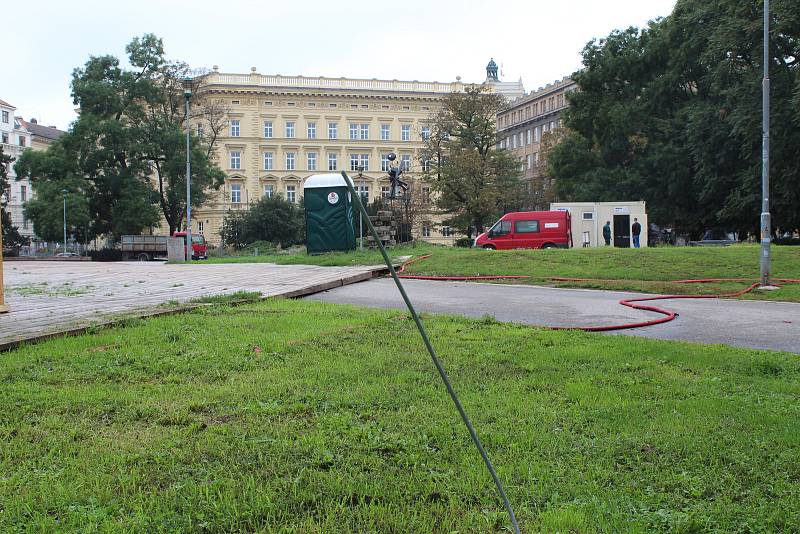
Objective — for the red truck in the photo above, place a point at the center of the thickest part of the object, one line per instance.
(529, 229)
(148, 247)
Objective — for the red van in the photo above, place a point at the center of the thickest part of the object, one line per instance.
(529, 229)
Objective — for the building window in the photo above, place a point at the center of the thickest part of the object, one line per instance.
(521, 140)
(536, 135)
(528, 160)
(312, 130)
(235, 102)
(268, 161)
(426, 230)
(331, 105)
(514, 141)
(291, 193)
(268, 129)
(290, 161)
(385, 164)
(200, 131)
(359, 160)
(290, 104)
(311, 161)
(588, 216)
(269, 190)
(405, 132)
(535, 159)
(268, 103)
(332, 130)
(363, 190)
(426, 194)
(5, 138)
(385, 132)
(528, 137)
(200, 227)
(236, 194)
(21, 141)
(353, 131)
(364, 129)
(235, 129)
(446, 231)
(426, 133)
(236, 160)
(5, 117)
(23, 193)
(333, 162)
(405, 162)
(24, 222)
(290, 129)
(385, 191)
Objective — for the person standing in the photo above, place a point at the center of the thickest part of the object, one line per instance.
(607, 233)
(636, 229)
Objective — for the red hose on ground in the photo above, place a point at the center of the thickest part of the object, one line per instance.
(631, 303)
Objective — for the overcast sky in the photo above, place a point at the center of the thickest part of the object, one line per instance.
(426, 40)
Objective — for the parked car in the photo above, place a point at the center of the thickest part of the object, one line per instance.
(67, 255)
(529, 229)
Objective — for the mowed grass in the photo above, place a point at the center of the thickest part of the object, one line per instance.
(300, 416)
(648, 270)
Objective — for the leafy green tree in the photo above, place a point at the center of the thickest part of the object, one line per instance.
(671, 114)
(473, 180)
(270, 219)
(128, 143)
(11, 235)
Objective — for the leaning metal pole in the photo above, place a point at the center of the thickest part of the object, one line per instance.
(189, 249)
(439, 367)
(766, 230)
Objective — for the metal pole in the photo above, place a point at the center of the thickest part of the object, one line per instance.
(766, 230)
(360, 216)
(189, 251)
(436, 362)
(64, 192)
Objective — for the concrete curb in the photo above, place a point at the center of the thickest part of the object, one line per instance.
(187, 307)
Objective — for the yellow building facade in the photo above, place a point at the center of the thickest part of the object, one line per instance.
(282, 129)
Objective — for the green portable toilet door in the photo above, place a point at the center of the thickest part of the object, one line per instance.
(329, 220)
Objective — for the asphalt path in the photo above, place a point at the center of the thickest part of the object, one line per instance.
(741, 323)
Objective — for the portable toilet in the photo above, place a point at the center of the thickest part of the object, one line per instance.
(329, 214)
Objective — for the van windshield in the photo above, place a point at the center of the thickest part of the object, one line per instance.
(198, 240)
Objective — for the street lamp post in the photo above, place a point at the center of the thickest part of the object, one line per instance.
(766, 230)
(64, 192)
(187, 93)
(360, 217)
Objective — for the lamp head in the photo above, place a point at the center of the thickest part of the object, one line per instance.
(392, 156)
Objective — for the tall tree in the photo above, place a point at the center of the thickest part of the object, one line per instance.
(127, 145)
(473, 180)
(11, 236)
(671, 114)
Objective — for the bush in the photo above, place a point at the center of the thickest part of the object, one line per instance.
(794, 241)
(271, 219)
(464, 242)
(106, 254)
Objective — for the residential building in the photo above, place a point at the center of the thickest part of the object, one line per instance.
(283, 129)
(527, 126)
(15, 138)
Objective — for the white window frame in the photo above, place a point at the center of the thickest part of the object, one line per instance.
(353, 131)
(291, 194)
(386, 132)
(333, 130)
(291, 161)
(425, 133)
(363, 132)
(267, 129)
(236, 193)
(290, 129)
(269, 190)
(405, 132)
(235, 159)
(269, 161)
(311, 161)
(333, 161)
(405, 162)
(311, 130)
(236, 128)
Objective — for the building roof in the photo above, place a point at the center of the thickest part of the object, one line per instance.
(46, 132)
(6, 104)
(325, 180)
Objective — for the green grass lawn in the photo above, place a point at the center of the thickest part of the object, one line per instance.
(299, 416)
(644, 270)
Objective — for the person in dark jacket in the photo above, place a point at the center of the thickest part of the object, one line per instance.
(607, 232)
(636, 229)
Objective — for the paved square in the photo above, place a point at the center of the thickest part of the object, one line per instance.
(48, 297)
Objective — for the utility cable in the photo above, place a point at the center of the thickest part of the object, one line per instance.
(439, 367)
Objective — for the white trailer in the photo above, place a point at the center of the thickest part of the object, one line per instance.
(588, 219)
